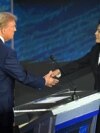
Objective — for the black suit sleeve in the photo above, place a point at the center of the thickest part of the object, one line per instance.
(73, 66)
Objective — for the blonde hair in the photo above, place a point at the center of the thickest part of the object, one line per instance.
(5, 17)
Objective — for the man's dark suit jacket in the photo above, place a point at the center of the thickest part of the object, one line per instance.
(11, 70)
(90, 59)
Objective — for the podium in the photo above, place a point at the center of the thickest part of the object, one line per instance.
(58, 114)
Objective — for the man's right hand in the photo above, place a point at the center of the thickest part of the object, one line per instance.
(49, 80)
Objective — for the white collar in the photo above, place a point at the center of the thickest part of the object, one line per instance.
(2, 39)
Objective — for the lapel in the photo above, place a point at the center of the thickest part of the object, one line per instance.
(96, 54)
(1, 42)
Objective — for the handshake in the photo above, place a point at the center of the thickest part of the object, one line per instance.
(51, 78)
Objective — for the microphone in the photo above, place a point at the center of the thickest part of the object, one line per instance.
(56, 65)
(74, 96)
(54, 62)
(52, 58)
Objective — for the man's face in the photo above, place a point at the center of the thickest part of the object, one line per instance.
(97, 34)
(9, 30)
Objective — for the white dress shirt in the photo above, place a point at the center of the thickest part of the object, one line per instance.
(99, 59)
(2, 39)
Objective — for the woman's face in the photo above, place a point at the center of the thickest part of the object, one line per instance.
(97, 34)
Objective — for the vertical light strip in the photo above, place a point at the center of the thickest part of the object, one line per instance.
(12, 10)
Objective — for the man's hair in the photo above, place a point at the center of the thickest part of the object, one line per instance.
(5, 17)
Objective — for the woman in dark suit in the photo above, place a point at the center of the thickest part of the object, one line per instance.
(92, 59)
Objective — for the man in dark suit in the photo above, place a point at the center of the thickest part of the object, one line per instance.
(92, 59)
(11, 70)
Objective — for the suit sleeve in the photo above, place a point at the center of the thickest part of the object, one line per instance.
(73, 66)
(13, 68)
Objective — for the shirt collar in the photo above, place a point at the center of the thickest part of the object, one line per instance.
(2, 39)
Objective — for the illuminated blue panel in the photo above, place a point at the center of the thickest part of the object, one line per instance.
(76, 120)
(83, 129)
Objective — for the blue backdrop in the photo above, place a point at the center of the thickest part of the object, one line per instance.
(63, 28)
(5, 5)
